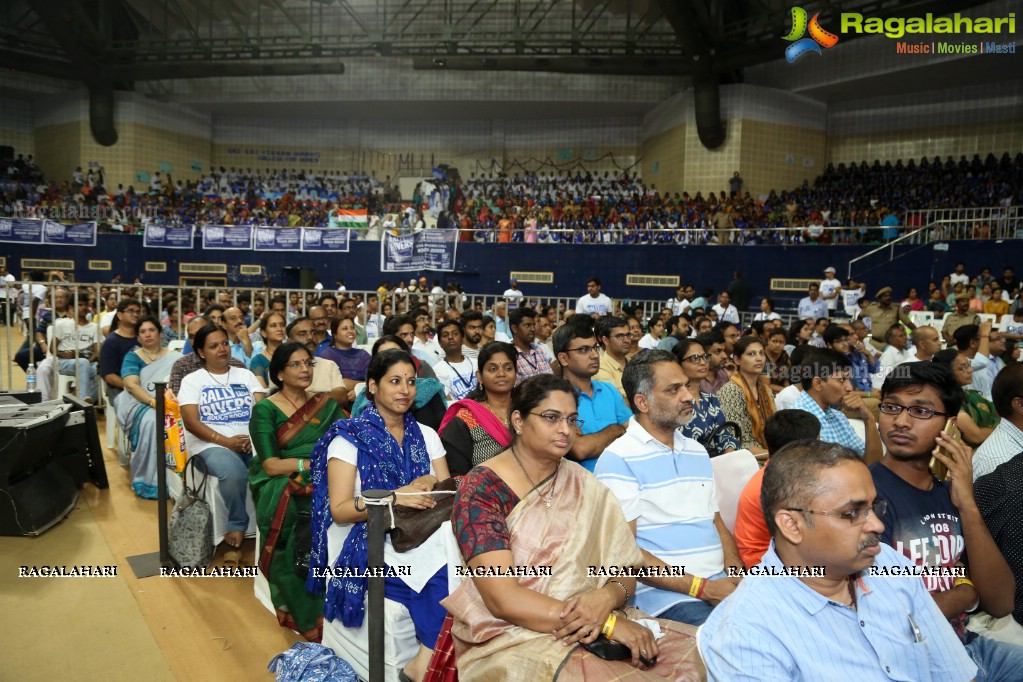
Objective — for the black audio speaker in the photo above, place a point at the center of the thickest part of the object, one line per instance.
(35, 490)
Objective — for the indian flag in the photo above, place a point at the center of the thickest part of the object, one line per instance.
(356, 219)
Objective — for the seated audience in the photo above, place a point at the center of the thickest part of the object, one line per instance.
(751, 535)
(844, 622)
(615, 339)
(135, 406)
(603, 414)
(977, 418)
(326, 374)
(826, 391)
(476, 428)
(190, 361)
(746, 399)
(456, 370)
(284, 428)
(707, 416)
(119, 342)
(272, 329)
(525, 507)
(936, 524)
(384, 448)
(352, 362)
(665, 484)
(1006, 441)
(216, 407)
(428, 402)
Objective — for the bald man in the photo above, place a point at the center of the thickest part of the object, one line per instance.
(242, 348)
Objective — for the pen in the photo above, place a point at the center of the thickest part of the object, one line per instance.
(917, 635)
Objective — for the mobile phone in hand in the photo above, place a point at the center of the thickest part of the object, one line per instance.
(938, 468)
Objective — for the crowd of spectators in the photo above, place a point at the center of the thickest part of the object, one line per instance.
(867, 202)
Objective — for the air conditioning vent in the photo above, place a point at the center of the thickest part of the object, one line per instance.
(533, 277)
(202, 268)
(250, 270)
(46, 264)
(800, 285)
(661, 281)
(156, 266)
(100, 265)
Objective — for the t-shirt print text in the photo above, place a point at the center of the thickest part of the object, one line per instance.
(226, 404)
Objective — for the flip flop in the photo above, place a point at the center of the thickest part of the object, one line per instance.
(233, 557)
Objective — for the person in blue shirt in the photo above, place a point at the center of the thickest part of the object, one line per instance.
(602, 410)
(823, 604)
(813, 306)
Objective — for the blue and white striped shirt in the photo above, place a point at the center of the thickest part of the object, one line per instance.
(670, 494)
(777, 629)
(835, 426)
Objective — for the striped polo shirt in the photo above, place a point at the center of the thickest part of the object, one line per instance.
(670, 494)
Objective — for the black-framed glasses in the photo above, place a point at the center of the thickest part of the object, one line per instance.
(915, 411)
(585, 350)
(621, 337)
(553, 418)
(697, 358)
(298, 364)
(855, 517)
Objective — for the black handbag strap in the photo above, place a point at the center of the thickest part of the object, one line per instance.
(708, 438)
(196, 462)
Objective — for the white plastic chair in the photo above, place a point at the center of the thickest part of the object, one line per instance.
(260, 585)
(732, 471)
(921, 318)
(64, 381)
(178, 345)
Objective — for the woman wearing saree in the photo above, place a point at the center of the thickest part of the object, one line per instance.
(284, 428)
(525, 508)
(476, 428)
(135, 406)
(384, 449)
(978, 417)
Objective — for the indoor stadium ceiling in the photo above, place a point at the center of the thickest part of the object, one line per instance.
(109, 45)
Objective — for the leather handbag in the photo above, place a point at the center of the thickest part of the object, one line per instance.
(608, 649)
(413, 526)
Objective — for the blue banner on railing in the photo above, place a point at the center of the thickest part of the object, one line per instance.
(21, 231)
(82, 234)
(35, 231)
(168, 237)
(423, 250)
(238, 237)
(278, 239)
(325, 239)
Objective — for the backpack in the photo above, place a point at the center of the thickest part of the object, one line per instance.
(307, 662)
(190, 538)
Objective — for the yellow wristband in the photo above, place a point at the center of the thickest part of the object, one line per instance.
(694, 587)
(962, 581)
(609, 625)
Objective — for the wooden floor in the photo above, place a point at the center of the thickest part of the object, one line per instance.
(123, 628)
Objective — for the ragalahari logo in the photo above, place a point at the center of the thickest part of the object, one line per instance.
(819, 37)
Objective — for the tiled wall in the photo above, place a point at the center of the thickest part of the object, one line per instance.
(59, 149)
(778, 156)
(955, 140)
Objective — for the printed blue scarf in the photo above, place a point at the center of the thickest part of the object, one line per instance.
(382, 465)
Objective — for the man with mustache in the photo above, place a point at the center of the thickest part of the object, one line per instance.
(938, 524)
(816, 606)
(472, 321)
(665, 484)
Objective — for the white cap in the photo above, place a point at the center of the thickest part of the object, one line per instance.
(830, 269)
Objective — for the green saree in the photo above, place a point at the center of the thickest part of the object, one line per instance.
(279, 499)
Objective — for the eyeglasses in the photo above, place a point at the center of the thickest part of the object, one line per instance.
(298, 364)
(553, 418)
(697, 358)
(133, 311)
(916, 411)
(855, 517)
(621, 337)
(585, 350)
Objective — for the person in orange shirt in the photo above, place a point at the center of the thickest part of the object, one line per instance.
(751, 535)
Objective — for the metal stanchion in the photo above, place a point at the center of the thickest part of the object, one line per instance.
(147, 565)
(376, 527)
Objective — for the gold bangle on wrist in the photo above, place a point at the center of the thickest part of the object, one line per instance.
(624, 589)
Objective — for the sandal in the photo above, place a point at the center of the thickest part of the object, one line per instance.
(232, 557)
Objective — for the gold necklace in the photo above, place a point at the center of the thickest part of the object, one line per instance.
(504, 420)
(217, 381)
(550, 491)
(305, 417)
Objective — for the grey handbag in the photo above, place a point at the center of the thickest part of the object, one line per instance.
(191, 525)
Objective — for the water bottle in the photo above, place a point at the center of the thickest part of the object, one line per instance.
(30, 378)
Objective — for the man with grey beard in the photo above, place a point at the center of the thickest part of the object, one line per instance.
(676, 520)
(937, 524)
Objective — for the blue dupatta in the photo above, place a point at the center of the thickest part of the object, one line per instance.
(382, 464)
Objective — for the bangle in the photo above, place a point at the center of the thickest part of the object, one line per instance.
(152, 403)
(703, 586)
(985, 336)
(696, 587)
(215, 437)
(300, 466)
(624, 589)
(609, 625)
(962, 581)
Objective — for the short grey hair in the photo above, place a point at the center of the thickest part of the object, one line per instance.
(638, 377)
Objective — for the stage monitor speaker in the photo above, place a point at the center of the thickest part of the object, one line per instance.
(20, 397)
(36, 492)
(79, 451)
